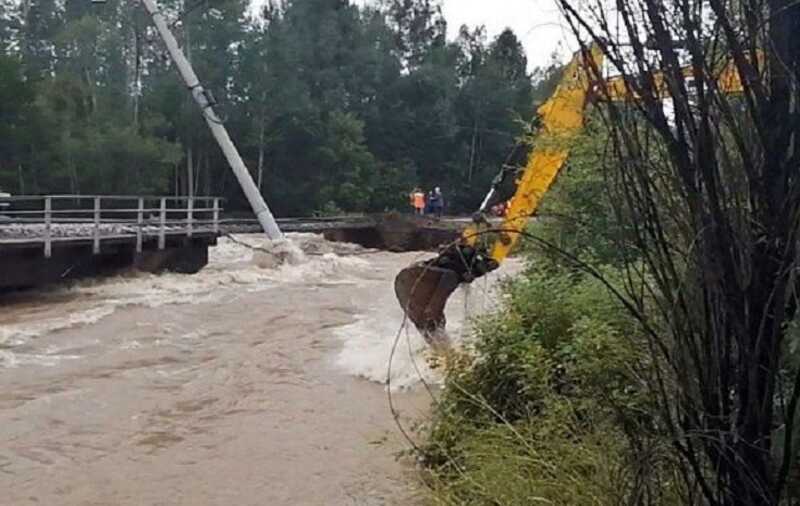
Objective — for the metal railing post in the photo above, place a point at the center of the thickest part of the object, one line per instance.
(96, 232)
(216, 216)
(139, 225)
(55, 221)
(48, 219)
(162, 240)
(190, 217)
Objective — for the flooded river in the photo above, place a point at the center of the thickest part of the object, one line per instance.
(242, 385)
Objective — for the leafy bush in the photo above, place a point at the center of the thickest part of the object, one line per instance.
(576, 215)
(329, 209)
(546, 405)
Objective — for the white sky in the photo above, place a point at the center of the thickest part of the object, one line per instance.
(537, 23)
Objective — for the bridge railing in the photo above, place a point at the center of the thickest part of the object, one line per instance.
(49, 218)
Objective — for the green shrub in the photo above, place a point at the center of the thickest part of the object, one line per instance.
(536, 462)
(545, 406)
(576, 215)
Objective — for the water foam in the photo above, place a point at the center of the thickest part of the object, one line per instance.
(368, 343)
(373, 340)
(18, 334)
(235, 264)
(10, 359)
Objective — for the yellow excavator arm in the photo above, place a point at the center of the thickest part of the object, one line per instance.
(423, 288)
(562, 117)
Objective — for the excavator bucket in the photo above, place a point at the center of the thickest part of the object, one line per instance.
(423, 290)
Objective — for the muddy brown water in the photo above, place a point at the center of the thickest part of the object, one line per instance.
(241, 385)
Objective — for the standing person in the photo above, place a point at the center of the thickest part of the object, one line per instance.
(412, 199)
(437, 202)
(418, 199)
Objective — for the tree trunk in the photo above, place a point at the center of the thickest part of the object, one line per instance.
(198, 173)
(26, 10)
(189, 172)
(137, 89)
(261, 155)
(472, 151)
(90, 84)
(207, 185)
(75, 187)
(72, 170)
(21, 189)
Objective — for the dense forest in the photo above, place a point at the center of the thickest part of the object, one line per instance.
(334, 107)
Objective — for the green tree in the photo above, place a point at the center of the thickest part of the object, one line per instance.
(16, 99)
(328, 102)
(418, 26)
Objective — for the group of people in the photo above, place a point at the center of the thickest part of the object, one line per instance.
(431, 204)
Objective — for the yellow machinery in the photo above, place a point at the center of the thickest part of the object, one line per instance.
(423, 288)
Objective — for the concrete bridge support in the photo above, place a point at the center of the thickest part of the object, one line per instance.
(27, 267)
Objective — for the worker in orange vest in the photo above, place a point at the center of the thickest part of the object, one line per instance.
(418, 201)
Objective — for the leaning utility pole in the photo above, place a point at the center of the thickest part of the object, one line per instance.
(206, 103)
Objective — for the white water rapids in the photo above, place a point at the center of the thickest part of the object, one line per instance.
(244, 384)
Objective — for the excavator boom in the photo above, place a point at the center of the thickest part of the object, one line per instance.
(562, 118)
(423, 288)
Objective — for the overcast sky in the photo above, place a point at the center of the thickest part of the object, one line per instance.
(537, 22)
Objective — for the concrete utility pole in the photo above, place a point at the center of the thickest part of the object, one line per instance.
(204, 100)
